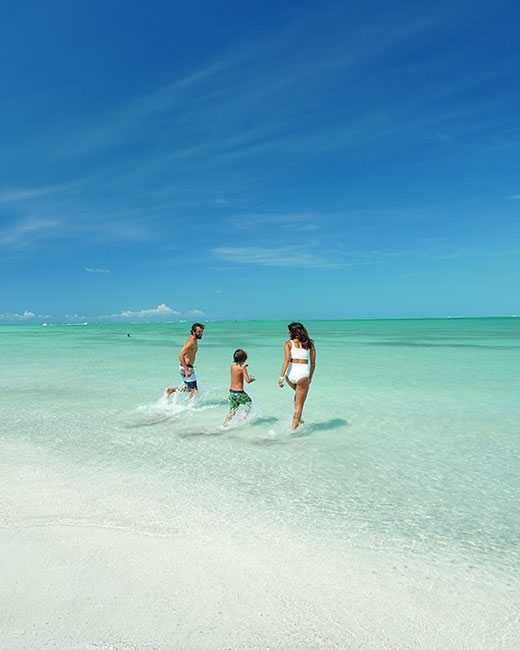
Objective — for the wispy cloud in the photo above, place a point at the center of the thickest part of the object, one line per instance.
(89, 269)
(118, 125)
(339, 257)
(160, 311)
(515, 197)
(13, 195)
(108, 227)
(283, 256)
(195, 313)
(251, 220)
(28, 230)
(241, 104)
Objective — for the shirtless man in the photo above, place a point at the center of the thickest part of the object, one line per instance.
(187, 361)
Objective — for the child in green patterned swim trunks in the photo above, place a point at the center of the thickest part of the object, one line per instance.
(237, 396)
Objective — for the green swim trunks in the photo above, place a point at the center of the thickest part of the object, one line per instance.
(238, 398)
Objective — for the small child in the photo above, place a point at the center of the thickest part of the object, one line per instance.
(237, 396)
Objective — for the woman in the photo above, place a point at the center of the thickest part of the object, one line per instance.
(298, 367)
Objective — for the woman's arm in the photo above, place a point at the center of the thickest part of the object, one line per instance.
(313, 361)
(285, 364)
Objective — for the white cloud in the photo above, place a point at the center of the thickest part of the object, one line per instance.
(160, 312)
(89, 269)
(155, 312)
(515, 197)
(284, 256)
(12, 316)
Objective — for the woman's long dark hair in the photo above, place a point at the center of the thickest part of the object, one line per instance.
(298, 331)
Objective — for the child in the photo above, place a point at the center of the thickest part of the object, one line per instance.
(237, 396)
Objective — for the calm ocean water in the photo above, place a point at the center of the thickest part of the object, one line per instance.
(401, 488)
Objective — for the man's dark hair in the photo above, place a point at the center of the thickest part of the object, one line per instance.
(239, 356)
(194, 327)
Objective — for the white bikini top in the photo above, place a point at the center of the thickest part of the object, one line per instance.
(299, 353)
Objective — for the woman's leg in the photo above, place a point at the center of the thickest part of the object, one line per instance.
(293, 386)
(302, 388)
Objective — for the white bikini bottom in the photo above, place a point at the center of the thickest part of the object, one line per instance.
(297, 371)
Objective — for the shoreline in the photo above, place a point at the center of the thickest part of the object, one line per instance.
(104, 558)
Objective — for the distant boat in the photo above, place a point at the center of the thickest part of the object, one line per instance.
(44, 324)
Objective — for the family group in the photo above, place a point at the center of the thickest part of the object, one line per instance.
(297, 371)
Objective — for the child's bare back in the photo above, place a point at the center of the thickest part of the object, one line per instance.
(237, 396)
(237, 376)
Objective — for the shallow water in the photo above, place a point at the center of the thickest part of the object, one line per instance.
(402, 486)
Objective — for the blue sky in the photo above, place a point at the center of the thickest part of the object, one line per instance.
(247, 160)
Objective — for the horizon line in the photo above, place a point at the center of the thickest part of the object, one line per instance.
(87, 322)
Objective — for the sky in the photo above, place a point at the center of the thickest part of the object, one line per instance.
(204, 160)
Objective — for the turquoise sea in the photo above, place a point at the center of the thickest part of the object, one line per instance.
(390, 520)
